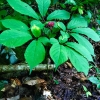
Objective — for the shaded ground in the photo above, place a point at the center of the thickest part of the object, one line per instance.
(64, 84)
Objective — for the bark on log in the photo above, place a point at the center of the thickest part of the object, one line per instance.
(23, 66)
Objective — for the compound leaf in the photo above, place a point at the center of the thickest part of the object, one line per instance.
(77, 22)
(35, 53)
(83, 41)
(88, 32)
(14, 38)
(81, 49)
(59, 14)
(23, 8)
(43, 6)
(58, 54)
(14, 24)
(78, 61)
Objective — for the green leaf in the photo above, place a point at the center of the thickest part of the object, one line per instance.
(88, 32)
(77, 22)
(59, 14)
(37, 23)
(70, 2)
(83, 41)
(56, 81)
(34, 54)
(43, 6)
(94, 80)
(22, 8)
(53, 41)
(14, 38)
(44, 40)
(98, 86)
(88, 94)
(61, 25)
(80, 10)
(85, 89)
(80, 49)
(58, 54)
(89, 14)
(78, 61)
(14, 24)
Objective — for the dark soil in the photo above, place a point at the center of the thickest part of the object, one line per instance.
(65, 84)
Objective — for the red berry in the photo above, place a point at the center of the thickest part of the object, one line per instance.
(50, 24)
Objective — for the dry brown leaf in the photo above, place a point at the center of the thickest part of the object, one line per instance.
(15, 82)
(83, 77)
(34, 82)
(80, 76)
(69, 64)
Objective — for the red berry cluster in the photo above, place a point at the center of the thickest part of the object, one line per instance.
(50, 24)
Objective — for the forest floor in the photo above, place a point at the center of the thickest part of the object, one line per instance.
(64, 84)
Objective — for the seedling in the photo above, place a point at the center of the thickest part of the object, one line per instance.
(88, 93)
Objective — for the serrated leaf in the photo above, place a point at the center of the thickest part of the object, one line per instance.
(61, 25)
(59, 14)
(43, 6)
(83, 41)
(37, 23)
(44, 40)
(78, 61)
(53, 41)
(80, 49)
(23, 8)
(88, 32)
(34, 54)
(94, 80)
(77, 22)
(14, 24)
(14, 38)
(58, 54)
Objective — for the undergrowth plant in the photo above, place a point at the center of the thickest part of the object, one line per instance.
(55, 33)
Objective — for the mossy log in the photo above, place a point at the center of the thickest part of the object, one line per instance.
(23, 66)
(22, 69)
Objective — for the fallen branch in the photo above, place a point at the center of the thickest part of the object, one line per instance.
(23, 66)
